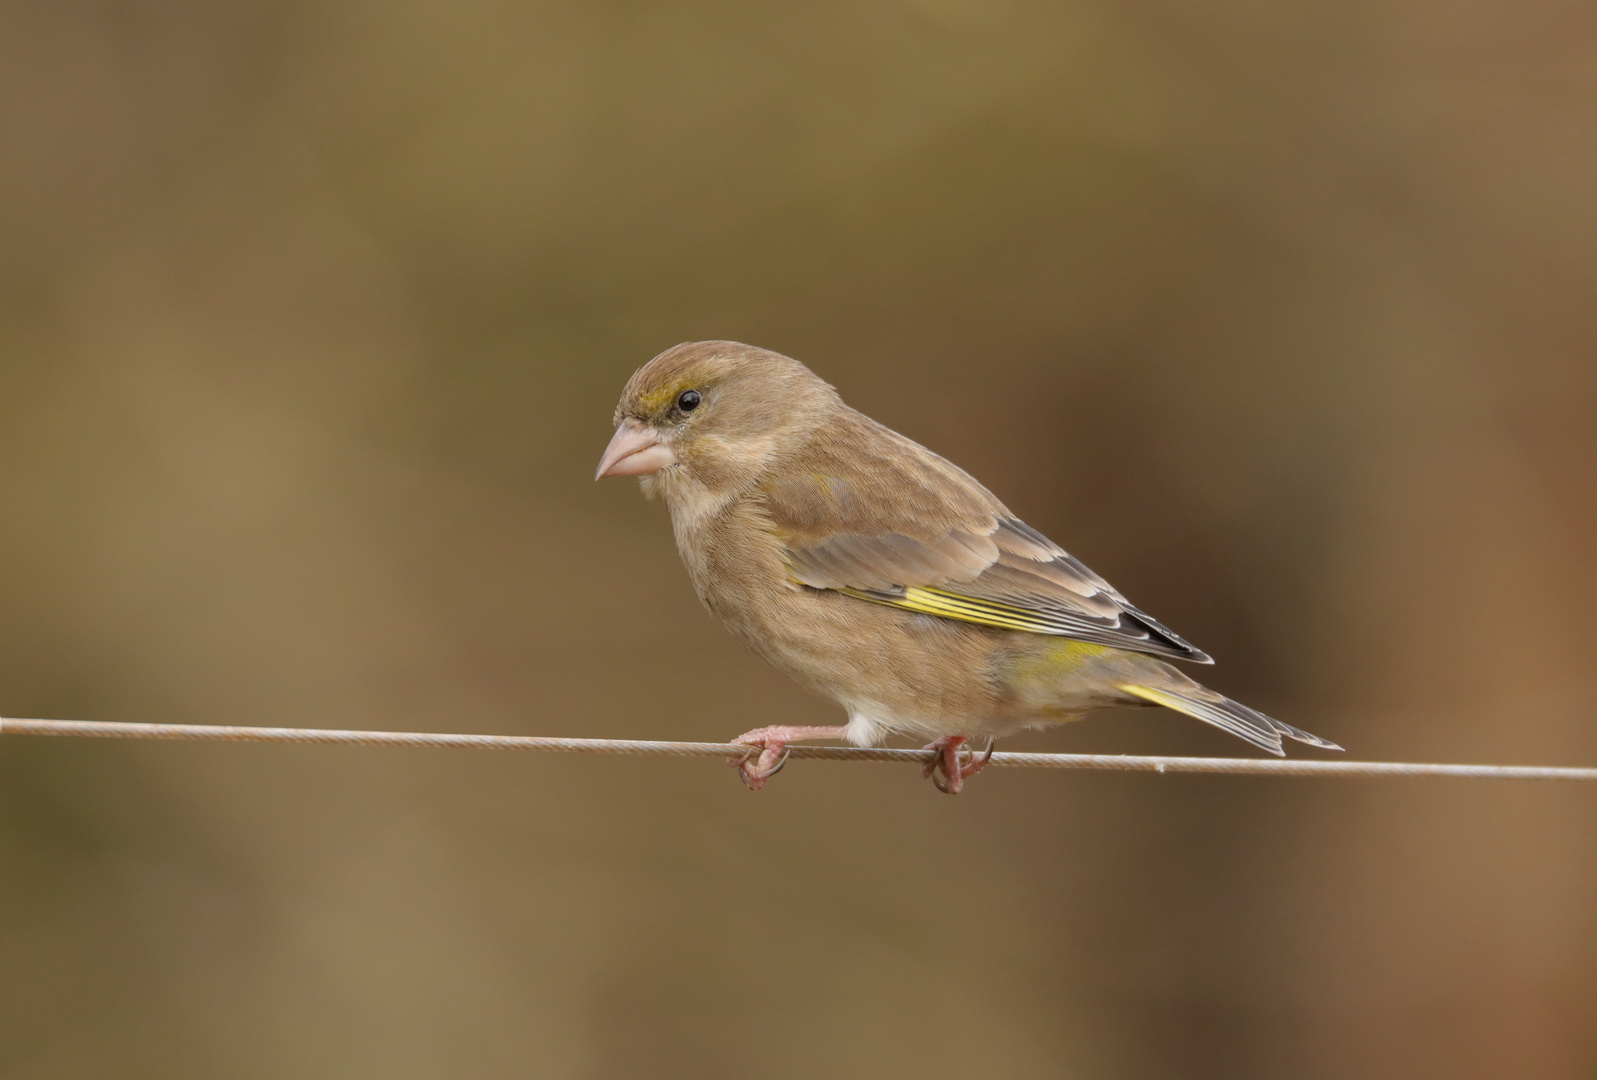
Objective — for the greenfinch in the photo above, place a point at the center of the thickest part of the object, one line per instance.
(880, 575)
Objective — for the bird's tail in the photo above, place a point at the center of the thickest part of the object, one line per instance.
(1198, 701)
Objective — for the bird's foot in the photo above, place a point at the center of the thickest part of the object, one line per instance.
(947, 770)
(768, 750)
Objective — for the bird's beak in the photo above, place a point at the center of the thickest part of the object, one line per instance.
(634, 450)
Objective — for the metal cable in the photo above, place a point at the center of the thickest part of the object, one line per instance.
(1109, 762)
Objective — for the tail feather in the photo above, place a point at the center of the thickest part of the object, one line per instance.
(1232, 716)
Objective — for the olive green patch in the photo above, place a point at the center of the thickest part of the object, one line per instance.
(1052, 666)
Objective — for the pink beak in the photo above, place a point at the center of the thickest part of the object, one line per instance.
(634, 450)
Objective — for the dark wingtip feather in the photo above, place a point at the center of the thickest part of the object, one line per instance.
(1158, 631)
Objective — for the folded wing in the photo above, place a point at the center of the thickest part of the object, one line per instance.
(892, 523)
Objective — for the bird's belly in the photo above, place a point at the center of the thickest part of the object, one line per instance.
(894, 671)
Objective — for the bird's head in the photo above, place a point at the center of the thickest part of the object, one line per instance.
(716, 413)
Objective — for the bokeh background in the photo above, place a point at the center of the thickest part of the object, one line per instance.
(312, 316)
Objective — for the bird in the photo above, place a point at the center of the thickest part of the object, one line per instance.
(877, 574)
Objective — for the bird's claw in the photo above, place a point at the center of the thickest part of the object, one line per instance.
(947, 771)
(766, 756)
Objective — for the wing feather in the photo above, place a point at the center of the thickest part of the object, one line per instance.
(889, 522)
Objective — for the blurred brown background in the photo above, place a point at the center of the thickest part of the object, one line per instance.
(312, 315)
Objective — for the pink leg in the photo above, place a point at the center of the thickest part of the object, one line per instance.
(756, 769)
(947, 762)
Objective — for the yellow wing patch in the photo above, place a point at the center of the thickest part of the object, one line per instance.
(968, 609)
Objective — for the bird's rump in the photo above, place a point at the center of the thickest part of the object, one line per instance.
(874, 515)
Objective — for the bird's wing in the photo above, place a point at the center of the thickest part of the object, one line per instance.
(878, 517)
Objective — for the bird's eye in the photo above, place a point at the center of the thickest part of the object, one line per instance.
(689, 400)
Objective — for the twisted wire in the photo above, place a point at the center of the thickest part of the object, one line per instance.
(100, 729)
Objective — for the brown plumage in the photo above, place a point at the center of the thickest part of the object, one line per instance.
(880, 575)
